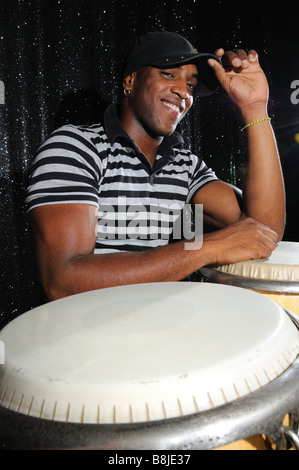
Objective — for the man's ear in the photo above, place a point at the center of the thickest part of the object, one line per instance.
(128, 81)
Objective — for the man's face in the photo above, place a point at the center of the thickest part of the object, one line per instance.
(160, 98)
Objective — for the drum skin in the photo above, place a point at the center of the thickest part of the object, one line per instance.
(147, 356)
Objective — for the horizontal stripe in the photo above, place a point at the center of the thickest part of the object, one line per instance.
(73, 134)
(138, 180)
(54, 199)
(67, 178)
(73, 150)
(135, 245)
(66, 165)
(66, 190)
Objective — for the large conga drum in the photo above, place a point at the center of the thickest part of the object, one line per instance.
(277, 277)
(166, 366)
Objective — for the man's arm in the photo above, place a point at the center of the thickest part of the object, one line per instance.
(263, 188)
(221, 204)
(65, 235)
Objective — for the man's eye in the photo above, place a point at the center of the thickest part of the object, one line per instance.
(167, 74)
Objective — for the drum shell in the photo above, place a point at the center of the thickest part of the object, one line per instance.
(286, 294)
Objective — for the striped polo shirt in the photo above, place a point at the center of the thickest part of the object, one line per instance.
(139, 206)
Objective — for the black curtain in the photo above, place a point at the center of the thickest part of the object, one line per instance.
(60, 61)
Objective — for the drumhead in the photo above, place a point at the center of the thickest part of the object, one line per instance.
(143, 352)
(282, 265)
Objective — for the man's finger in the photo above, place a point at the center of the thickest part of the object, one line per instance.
(253, 56)
(219, 70)
(219, 52)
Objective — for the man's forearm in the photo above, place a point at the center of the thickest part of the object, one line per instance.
(263, 190)
(82, 273)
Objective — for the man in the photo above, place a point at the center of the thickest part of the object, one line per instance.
(135, 159)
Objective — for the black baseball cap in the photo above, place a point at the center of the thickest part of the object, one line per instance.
(164, 49)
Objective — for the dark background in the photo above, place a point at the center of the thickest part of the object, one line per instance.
(60, 61)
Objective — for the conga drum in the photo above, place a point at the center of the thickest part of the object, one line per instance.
(277, 277)
(161, 366)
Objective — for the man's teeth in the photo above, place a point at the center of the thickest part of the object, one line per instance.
(172, 106)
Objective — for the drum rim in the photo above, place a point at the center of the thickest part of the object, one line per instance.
(198, 431)
(264, 285)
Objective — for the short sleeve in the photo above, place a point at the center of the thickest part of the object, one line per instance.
(200, 176)
(66, 169)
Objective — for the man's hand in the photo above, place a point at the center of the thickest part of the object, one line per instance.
(242, 77)
(243, 240)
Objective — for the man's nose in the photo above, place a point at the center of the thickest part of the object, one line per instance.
(181, 89)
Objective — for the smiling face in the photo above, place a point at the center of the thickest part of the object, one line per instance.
(160, 98)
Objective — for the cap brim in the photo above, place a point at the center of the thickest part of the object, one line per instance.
(207, 81)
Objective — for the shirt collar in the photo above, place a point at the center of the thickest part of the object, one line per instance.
(115, 131)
